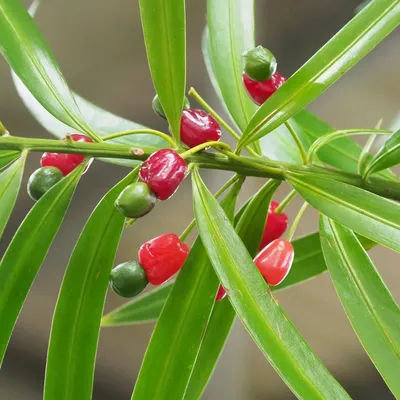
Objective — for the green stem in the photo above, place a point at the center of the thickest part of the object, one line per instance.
(323, 140)
(218, 193)
(162, 135)
(218, 118)
(220, 146)
(296, 222)
(297, 140)
(283, 204)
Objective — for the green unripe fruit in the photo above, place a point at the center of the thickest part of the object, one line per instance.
(259, 64)
(157, 107)
(128, 279)
(42, 180)
(136, 200)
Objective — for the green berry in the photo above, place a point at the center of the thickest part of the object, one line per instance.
(42, 180)
(157, 107)
(136, 200)
(128, 279)
(259, 64)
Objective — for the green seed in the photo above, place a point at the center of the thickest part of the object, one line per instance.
(42, 180)
(136, 200)
(157, 107)
(128, 279)
(259, 64)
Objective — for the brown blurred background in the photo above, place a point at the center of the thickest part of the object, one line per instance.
(100, 48)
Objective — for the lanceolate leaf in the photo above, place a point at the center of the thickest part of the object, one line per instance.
(388, 156)
(344, 50)
(164, 30)
(6, 157)
(27, 250)
(177, 337)
(25, 49)
(10, 182)
(255, 305)
(371, 309)
(370, 215)
(76, 322)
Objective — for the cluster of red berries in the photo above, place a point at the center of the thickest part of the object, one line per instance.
(260, 77)
(54, 167)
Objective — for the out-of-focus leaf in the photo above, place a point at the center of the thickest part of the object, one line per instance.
(356, 39)
(177, 338)
(7, 157)
(369, 215)
(76, 322)
(28, 249)
(371, 309)
(256, 306)
(27, 53)
(164, 29)
(10, 182)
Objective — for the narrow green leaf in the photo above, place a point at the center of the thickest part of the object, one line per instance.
(28, 249)
(250, 228)
(27, 53)
(7, 157)
(356, 39)
(177, 337)
(255, 305)
(388, 156)
(164, 29)
(370, 215)
(76, 322)
(10, 183)
(371, 309)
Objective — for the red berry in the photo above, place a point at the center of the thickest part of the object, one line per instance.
(275, 226)
(262, 91)
(66, 163)
(163, 171)
(275, 260)
(221, 293)
(162, 257)
(198, 127)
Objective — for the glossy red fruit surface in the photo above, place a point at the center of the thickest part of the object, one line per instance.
(221, 293)
(198, 127)
(275, 226)
(162, 257)
(66, 163)
(262, 91)
(275, 260)
(163, 171)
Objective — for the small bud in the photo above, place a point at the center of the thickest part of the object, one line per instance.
(157, 107)
(259, 64)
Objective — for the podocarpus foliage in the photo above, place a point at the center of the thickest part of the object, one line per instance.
(353, 190)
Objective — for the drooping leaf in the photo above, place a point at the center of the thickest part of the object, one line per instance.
(7, 157)
(28, 249)
(388, 156)
(177, 337)
(10, 182)
(164, 29)
(27, 53)
(76, 322)
(369, 215)
(256, 306)
(356, 39)
(371, 309)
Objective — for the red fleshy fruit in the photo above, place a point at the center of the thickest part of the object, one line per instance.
(162, 257)
(66, 163)
(163, 171)
(262, 91)
(198, 127)
(275, 260)
(275, 226)
(221, 293)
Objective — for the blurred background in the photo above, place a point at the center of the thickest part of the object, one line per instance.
(99, 46)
